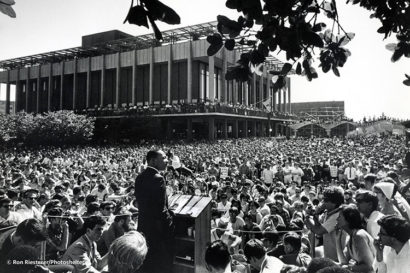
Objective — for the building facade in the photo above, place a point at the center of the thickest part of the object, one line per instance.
(319, 110)
(115, 76)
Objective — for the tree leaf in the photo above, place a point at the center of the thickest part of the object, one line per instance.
(391, 47)
(230, 44)
(286, 68)
(397, 55)
(216, 43)
(336, 71)
(312, 38)
(157, 32)
(8, 2)
(6, 9)
(138, 16)
(228, 26)
(299, 69)
(162, 12)
(318, 27)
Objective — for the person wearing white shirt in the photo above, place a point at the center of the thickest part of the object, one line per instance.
(367, 204)
(267, 176)
(393, 246)
(350, 173)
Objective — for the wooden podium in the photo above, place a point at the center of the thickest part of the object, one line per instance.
(192, 232)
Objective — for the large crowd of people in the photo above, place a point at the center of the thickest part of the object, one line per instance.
(278, 205)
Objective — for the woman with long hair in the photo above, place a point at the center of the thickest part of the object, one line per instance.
(359, 252)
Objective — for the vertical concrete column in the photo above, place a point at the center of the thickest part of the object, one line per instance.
(169, 101)
(211, 128)
(134, 77)
(225, 128)
(50, 87)
(246, 93)
(253, 102)
(8, 93)
(280, 100)
(275, 107)
(263, 128)
(27, 88)
(61, 84)
(189, 129)
(245, 128)
(169, 128)
(39, 89)
(189, 72)
(151, 77)
(88, 87)
(254, 127)
(211, 65)
(262, 99)
(268, 90)
(75, 84)
(18, 91)
(235, 129)
(102, 81)
(118, 81)
(290, 102)
(223, 81)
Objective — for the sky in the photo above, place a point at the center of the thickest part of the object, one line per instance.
(370, 84)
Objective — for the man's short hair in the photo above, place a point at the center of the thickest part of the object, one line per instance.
(334, 269)
(396, 227)
(153, 154)
(127, 253)
(31, 230)
(334, 195)
(22, 253)
(254, 249)
(318, 263)
(4, 200)
(368, 197)
(92, 221)
(371, 177)
(217, 255)
(293, 239)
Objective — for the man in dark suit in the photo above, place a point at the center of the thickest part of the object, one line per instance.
(155, 219)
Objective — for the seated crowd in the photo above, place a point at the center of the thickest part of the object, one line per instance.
(298, 205)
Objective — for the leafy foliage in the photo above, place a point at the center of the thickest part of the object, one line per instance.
(53, 128)
(294, 26)
(5, 7)
(151, 10)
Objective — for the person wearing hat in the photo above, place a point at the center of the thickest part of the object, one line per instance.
(385, 192)
(27, 208)
(223, 233)
(369, 180)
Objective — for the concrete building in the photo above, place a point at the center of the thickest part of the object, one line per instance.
(3, 104)
(172, 86)
(319, 110)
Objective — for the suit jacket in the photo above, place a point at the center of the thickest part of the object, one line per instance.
(85, 253)
(154, 218)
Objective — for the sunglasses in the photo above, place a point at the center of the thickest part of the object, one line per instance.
(31, 198)
(109, 208)
(7, 206)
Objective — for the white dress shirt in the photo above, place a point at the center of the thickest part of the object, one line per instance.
(394, 262)
(372, 227)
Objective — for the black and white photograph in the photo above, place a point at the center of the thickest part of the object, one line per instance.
(193, 136)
